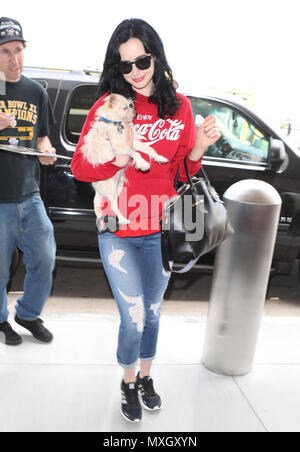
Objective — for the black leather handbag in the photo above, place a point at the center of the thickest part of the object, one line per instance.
(193, 223)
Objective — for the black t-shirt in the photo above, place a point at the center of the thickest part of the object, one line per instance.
(20, 174)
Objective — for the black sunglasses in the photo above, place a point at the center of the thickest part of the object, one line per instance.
(142, 63)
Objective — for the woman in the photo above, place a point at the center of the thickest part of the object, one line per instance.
(135, 66)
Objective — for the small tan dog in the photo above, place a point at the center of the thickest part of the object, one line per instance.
(105, 140)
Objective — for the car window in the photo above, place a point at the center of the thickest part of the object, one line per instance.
(82, 99)
(44, 83)
(241, 139)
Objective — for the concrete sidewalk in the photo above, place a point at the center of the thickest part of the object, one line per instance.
(72, 384)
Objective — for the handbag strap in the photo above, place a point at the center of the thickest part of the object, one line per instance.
(190, 180)
(214, 195)
(205, 177)
(185, 269)
(187, 172)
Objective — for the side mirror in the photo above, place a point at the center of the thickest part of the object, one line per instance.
(277, 154)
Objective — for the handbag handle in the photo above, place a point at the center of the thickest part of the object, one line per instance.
(190, 180)
(187, 172)
(210, 188)
(205, 177)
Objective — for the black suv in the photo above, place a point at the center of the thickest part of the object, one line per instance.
(249, 149)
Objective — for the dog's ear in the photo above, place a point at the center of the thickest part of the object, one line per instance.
(112, 100)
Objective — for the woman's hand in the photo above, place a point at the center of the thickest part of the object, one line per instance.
(207, 134)
(121, 160)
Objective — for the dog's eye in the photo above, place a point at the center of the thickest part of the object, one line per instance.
(131, 105)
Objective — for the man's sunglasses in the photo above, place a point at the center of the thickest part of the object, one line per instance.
(142, 63)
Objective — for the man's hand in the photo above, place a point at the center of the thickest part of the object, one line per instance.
(44, 145)
(48, 160)
(6, 121)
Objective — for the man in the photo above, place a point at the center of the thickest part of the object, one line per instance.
(25, 119)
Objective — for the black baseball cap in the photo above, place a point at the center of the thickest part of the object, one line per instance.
(10, 30)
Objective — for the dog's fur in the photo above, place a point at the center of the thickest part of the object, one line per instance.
(105, 140)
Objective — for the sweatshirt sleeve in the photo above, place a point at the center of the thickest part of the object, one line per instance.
(81, 168)
(187, 143)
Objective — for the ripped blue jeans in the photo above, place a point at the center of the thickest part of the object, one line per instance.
(133, 266)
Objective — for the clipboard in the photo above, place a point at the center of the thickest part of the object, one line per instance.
(30, 152)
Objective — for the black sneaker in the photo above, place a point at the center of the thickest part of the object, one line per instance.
(11, 337)
(150, 399)
(130, 405)
(36, 328)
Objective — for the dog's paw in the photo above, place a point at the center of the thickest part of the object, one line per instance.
(161, 159)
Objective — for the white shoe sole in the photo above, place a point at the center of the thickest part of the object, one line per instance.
(156, 408)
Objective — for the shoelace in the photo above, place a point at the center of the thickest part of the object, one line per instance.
(132, 395)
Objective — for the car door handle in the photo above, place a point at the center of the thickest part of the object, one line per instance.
(60, 166)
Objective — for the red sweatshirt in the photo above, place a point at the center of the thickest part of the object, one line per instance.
(144, 193)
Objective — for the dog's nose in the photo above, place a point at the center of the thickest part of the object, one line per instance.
(135, 113)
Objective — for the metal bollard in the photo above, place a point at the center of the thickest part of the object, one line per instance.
(241, 276)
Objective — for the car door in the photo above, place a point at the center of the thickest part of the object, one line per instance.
(69, 201)
(243, 152)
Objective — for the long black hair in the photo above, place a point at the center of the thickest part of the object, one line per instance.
(112, 79)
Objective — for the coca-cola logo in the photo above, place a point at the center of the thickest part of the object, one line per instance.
(161, 130)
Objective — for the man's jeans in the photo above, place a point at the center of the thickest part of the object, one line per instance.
(27, 226)
(134, 269)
